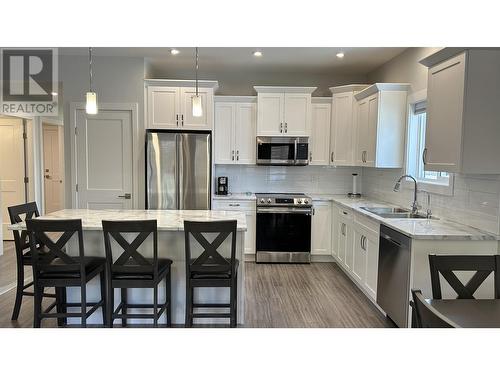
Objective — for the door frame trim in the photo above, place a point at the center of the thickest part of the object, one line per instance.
(134, 109)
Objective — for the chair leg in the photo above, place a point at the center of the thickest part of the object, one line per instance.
(19, 290)
(168, 299)
(83, 293)
(232, 303)
(104, 299)
(236, 300)
(111, 304)
(61, 305)
(124, 308)
(189, 305)
(155, 306)
(37, 307)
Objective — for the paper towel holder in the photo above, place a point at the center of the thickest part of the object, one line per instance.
(354, 193)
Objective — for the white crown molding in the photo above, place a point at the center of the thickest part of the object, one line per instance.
(286, 89)
(181, 83)
(348, 88)
(441, 55)
(376, 87)
(321, 100)
(235, 99)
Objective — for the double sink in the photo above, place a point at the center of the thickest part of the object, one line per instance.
(395, 213)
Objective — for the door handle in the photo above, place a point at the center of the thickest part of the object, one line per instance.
(331, 157)
(424, 156)
(126, 196)
(237, 154)
(182, 120)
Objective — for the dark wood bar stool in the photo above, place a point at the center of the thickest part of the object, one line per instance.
(445, 265)
(18, 214)
(426, 315)
(63, 270)
(132, 270)
(211, 269)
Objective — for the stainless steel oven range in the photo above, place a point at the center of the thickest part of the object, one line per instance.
(283, 228)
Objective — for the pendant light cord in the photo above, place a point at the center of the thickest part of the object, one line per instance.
(196, 49)
(90, 69)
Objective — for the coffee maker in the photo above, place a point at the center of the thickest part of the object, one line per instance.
(222, 188)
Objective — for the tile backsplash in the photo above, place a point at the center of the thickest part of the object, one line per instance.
(475, 200)
(309, 179)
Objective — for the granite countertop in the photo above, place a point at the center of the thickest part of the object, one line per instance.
(168, 220)
(418, 229)
(236, 196)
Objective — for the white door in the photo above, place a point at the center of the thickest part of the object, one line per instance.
(297, 114)
(164, 107)
(362, 135)
(188, 121)
(335, 232)
(244, 140)
(342, 129)
(225, 118)
(321, 225)
(270, 108)
(371, 140)
(359, 257)
(349, 245)
(443, 137)
(104, 159)
(53, 182)
(341, 241)
(320, 134)
(11, 169)
(371, 245)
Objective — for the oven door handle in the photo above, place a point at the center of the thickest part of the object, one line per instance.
(283, 210)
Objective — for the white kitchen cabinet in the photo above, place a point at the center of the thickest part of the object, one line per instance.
(381, 125)
(283, 111)
(319, 142)
(235, 127)
(343, 125)
(249, 209)
(169, 105)
(371, 244)
(359, 257)
(345, 239)
(321, 239)
(462, 132)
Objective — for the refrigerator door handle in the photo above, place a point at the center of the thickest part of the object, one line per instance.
(177, 171)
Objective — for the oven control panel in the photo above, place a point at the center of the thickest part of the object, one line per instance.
(283, 200)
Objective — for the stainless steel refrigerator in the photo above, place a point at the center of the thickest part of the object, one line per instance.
(178, 170)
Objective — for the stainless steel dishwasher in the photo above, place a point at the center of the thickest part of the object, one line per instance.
(394, 275)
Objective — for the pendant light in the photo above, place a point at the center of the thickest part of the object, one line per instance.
(91, 96)
(196, 100)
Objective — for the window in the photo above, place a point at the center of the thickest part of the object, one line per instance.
(431, 181)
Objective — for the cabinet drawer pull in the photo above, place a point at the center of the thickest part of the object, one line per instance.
(281, 127)
(232, 155)
(286, 127)
(237, 154)
(177, 120)
(331, 157)
(182, 120)
(234, 204)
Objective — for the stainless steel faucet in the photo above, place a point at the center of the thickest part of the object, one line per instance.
(414, 206)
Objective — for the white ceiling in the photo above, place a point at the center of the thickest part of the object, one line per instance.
(321, 60)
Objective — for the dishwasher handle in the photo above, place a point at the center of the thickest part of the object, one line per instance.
(388, 238)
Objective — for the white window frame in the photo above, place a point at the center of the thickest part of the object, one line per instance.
(424, 185)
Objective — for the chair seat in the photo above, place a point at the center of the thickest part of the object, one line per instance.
(206, 273)
(163, 265)
(58, 271)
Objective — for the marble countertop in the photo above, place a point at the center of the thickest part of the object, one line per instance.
(168, 220)
(418, 229)
(236, 196)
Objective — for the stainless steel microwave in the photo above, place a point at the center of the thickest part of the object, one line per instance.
(282, 150)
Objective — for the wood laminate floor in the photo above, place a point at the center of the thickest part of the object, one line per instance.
(317, 295)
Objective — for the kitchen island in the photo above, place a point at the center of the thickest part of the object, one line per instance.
(170, 245)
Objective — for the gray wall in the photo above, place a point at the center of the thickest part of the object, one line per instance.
(116, 80)
(405, 68)
(234, 82)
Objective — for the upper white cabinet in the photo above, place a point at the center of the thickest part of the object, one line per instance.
(343, 128)
(319, 142)
(235, 130)
(462, 131)
(381, 125)
(283, 111)
(168, 104)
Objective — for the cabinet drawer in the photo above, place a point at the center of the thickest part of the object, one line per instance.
(345, 214)
(233, 205)
(368, 225)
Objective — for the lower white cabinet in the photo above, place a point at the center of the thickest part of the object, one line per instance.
(321, 239)
(355, 247)
(247, 207)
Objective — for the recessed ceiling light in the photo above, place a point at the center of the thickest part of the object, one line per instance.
(257, 54)
(54, 93)
(174, 51)
(340, 55)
